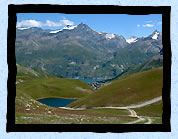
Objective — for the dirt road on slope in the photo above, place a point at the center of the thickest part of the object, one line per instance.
(132, 112)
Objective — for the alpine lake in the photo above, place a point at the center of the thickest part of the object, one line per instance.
(56, 102)
(63, 102)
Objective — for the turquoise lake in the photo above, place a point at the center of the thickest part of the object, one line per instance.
(56, 102)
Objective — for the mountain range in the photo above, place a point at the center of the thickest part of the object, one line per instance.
(81, 52)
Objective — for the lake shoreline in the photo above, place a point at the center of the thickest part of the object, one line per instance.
(56, 102)
(55, 97)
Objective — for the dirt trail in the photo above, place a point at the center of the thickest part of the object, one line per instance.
(146, 103)
(132, 112)
(149, 120)
(137, 105)
(134, 122)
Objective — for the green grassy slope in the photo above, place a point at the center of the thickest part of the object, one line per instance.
(154, 110)
(52, 87)
(155, 62)
(30, 111)
(40, 115)
(34, 87)
(36, 83)
(133, 89)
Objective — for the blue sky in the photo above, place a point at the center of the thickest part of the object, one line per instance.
(120, 24)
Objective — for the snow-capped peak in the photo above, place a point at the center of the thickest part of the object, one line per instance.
(65, 28)
(110, 36)
(155, 36)
(132, 40)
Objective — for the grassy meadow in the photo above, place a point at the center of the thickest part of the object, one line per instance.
(130, 89)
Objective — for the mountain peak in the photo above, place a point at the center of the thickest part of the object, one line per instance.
(155, 35)
(83, 25)
(155, 31)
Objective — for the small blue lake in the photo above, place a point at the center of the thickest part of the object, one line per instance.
(56, 102)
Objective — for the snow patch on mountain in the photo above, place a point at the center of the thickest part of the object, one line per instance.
(73, 63)
(55, 31)
(155, 36)
(21, 28)
(110, 36)
(132, 40)
(65, 28)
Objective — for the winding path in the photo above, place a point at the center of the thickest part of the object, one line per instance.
(149, 121)
(132, 112)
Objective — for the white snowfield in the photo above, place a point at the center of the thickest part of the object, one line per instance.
(110, 36)
(132, 40)
(22, 28)
(65, 28)
(155, 36)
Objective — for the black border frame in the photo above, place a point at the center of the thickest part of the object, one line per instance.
(88, 9)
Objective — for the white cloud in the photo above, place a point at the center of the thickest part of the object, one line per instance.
(34, 23)
(29, 23)
(66, 22)
(148, 25)
(52, 24)
(159, 23)
(138, 25)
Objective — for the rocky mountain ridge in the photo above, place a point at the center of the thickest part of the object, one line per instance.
(79, 51)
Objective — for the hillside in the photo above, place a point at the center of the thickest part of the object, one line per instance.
(154, 62)
(31, 72)
(34, 84)
(53, 87)
(30, 87)
(132, 89)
